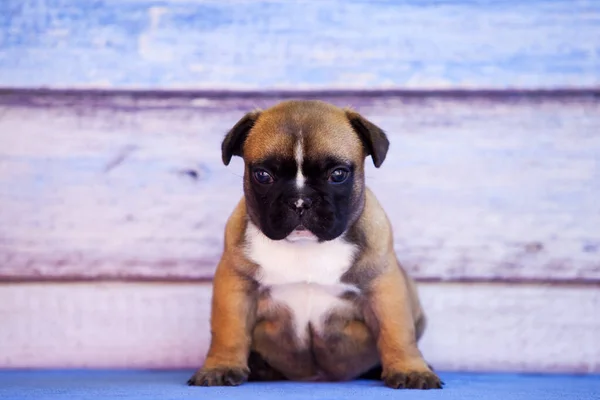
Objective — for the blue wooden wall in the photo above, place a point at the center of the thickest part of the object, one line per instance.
(350, 44)
(493, 195)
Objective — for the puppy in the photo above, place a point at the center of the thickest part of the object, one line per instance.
(309, 287)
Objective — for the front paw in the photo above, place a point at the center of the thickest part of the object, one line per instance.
(219, 376)
(412, 380)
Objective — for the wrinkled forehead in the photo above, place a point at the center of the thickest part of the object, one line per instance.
(301, 134)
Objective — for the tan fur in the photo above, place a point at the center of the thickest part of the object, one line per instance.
(232, 310)
(394, 312)
(376, 226)
(327, 126)
(382, 325)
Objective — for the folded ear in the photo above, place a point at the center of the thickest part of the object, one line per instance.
(233, 144)
(374, 138)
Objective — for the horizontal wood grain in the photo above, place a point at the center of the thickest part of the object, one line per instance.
(128, 187)
(153, 325)
(272, 44)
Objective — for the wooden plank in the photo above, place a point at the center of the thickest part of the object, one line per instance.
(270, 44)
(130, 187)
(478, 327)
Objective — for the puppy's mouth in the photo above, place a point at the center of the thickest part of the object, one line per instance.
(301, 234)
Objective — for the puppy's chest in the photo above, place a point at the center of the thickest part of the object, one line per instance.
(305, 277)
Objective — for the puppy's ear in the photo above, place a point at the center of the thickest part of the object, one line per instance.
(374, 138)
(233, 144)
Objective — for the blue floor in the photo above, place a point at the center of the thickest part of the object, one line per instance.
(83, 385)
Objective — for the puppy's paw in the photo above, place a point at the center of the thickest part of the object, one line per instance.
(412, 380)
(220, 376)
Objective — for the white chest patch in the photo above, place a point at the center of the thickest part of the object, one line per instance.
(304, 276)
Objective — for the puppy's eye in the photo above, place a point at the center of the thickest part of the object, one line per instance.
(263, 177)
(339, 175)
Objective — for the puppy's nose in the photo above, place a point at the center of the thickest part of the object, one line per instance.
(300, 204)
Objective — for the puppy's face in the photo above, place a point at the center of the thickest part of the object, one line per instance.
(304, 167)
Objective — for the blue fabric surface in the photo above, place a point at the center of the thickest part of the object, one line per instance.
(171, 385)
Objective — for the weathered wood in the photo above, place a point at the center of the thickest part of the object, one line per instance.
(471, 327)
(121, 187)
(301, 44)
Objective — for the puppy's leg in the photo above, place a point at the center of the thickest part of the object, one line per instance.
(345, 349)
(232, 316)
(261, 370)
(276, 342)
(390, 302)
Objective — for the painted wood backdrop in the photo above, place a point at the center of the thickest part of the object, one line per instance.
(270, 44)
(113, 198)
(478, 187)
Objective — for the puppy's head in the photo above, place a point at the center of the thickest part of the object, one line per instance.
(304, 167)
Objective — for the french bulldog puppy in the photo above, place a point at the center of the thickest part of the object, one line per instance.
(309, 287)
